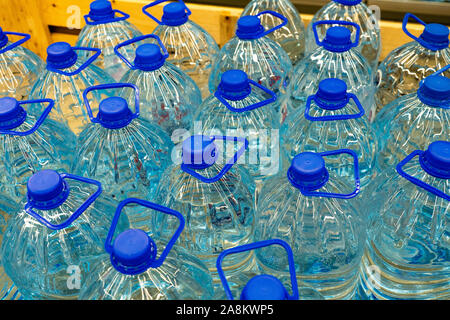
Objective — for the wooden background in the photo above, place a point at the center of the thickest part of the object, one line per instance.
(47, 21)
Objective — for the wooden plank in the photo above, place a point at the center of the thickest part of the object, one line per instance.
(214, 19)
(219, 21)
(69, 38)
(24, 16)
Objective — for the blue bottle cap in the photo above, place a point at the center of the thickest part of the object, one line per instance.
(133, 251)
(348, 2)
(337, 39)
(435, 91)
(436, 35)
(234, 85)
(60, 55)
(436, 159)
(12, 114)
(199, 152)
(174, 14)
(149, 57)
(47, 190)
(3, 38)
(264, 287)
(331, 94)
(308, 171)
(101, 10)
(249, 27)
(114, 113)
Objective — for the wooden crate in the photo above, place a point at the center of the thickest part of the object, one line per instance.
(48, 21)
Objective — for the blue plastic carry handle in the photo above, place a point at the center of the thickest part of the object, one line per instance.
(137, 39)
(29, 205)
(342, 23)
(334, 117)
(416, 181)
(253, 246)
(38, 123)
(334, 195)
(122, 16)
(111, 86)
(273, 97)
(152, 4)
(25, 37)
(157, 263)
(97, 53)
(275, 14)
(227, 166)
(425, 44)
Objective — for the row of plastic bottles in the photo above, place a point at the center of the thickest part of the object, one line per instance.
(332, 162)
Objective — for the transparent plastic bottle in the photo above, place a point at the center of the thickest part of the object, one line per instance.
(290, 37)
(105, 28)
(258, 283)
(251, 51)
(414, 121)
(242, 107)
(66, 75)
(333, 118)
(216, 200)
(19, 67)
(49, 244)
(133, 269)
(29, 143)
(169, 96)
(313, 210)
(125, 153)
(402, 70)
(337, 57)
(407, 254)
(354, 11)
(8, 291)
(191, 48)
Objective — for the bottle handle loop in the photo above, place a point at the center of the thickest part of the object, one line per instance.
(277, 15)
(334, 117)
(137, 39)
(25, 38)
(38, 123)
(89, 61)
(111, 86)
(418, 182)
(157, 263)
(152, 4)
(227, 166)
(353, 194)
(273, 97)
(122, 16)
(29, 207)
(342, 23)
(253, 246)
